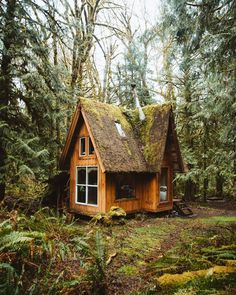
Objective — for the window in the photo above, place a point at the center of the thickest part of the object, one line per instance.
(125, 186)
(82, 146)
(91, 148)
(87, 185)
(163, 184)
(120, 130)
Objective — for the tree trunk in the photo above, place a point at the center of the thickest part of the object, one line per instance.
(219, 185)
(189, 190)
(205, 180)
(6, 86)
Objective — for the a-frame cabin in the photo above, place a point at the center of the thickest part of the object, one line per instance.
(115, 159)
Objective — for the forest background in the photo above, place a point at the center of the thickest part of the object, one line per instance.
(52, 52)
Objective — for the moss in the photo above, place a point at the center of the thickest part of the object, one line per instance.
(128, 270)
(180, 279)
(228, 262)
(152, 147)
(116, 212)
(110, 110)
(218, 219)
(143, 240)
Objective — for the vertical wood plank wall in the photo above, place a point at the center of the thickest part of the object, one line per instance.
(147, 185)
(147, 188)
(77, 160)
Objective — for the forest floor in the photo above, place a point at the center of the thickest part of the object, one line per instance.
(147, 254)
(150, 247)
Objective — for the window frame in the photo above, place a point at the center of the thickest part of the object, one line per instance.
(80, 139)
(90, 141)
(167, 185)
(133, 184)
(86, 186)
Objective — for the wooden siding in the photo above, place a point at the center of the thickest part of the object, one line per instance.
(168, 163)
(77, 160)
(147, 185)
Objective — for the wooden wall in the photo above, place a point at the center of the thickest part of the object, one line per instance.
(91, 160)
(167, 162)
(146, 185)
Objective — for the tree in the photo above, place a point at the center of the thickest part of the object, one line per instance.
(205, 101)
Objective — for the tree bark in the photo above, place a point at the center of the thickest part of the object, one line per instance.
(6, 86)
(219, 185)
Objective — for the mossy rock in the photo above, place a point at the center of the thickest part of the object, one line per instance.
(101, 218)
(179, 279)
(116, 212)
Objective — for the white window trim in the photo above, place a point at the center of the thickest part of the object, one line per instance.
(86, 186)
(80, 147)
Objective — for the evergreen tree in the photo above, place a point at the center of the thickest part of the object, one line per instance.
(205, 106)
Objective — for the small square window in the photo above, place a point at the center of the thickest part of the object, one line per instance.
(82, 146)
(91, 147)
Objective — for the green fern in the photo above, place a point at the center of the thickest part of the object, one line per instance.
(8, 277)
(15, 240)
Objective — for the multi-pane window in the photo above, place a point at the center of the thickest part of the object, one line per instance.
(163, 184)
(82, 146)
(87, 185)
(86, 147)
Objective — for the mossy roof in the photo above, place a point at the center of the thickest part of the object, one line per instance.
(141, 150)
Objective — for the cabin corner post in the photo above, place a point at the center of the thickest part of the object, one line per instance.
(102, 191)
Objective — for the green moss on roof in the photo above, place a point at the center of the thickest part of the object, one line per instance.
(152, 144)
(143, 147)
(99, 110)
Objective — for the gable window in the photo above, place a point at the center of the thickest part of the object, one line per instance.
(125, 186)
(87, 185)
(119, 129)
(82, 146)
(164, 184)
(91, 148)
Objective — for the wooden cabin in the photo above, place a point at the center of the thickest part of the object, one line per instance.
(115, 159)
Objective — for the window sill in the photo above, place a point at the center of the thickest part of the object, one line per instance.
(84, 204)
(125, 199)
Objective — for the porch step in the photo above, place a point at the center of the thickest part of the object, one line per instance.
(182, 208)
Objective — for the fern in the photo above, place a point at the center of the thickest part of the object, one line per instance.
(100, 253)
(25, 170)
(15, 241)
(7, 279)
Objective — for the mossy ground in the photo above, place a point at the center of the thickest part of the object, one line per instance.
(192, 255)
(146, 255)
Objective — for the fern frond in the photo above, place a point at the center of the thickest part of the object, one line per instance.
(42, 154)
(25, 170)
(15, 240)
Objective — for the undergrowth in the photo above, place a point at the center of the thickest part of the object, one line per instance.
(42, 254)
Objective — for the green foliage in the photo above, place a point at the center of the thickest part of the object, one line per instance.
(97, 271)
(42, 242)
(114, 216)
(128, 270)
(205, 94)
